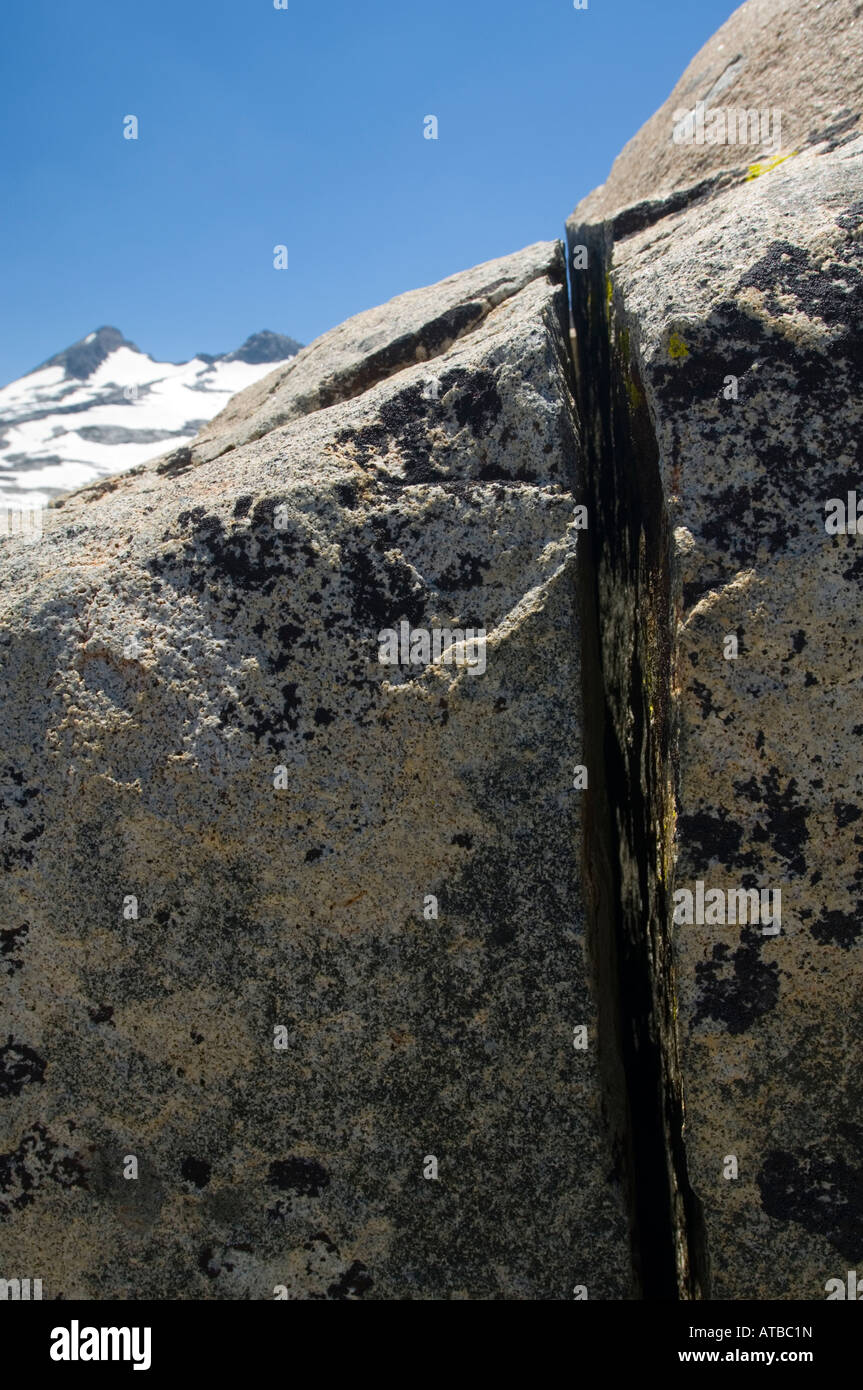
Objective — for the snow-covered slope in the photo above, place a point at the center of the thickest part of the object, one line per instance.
(102, 406)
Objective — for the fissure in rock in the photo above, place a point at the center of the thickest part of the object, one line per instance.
(625, 584)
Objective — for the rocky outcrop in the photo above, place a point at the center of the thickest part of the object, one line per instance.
(414, 327)
(301, 933)
(718, 342)
(778, 77)
(431, 825)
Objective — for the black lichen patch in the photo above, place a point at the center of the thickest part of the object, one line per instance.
(464, 400)
(195, 1171)
(751, 519)
(746, 516)
(19, 1066)
(11, 942)
(786, 823)
(353, 1283)
(212, 1265)
(304, 1176)
(321, 1238)
(478, 403)
(737, 999)
(839, 928)
(346, 495)
(19, 827)
(466, 573)
(170, 917)
(786, 269)
(704, 696)
(252, 556)
(103, 1014)
(701, 375)
(252, 559)
(708, 836)
(289, 635)
(820, 1192)
(494, 892)
(402, 423)
(852, 573)
(37, 1159)
(382, 591)
(180, 461)
(852, 219)
(485, 893)
(291, 703)
(782, 817)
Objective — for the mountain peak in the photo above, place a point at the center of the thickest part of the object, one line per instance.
(83, 358)
(264, 347)
(112, 406)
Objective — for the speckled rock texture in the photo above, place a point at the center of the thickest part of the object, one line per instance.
(731, 407)
(223, 817)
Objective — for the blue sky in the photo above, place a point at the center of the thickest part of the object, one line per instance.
(303, 127)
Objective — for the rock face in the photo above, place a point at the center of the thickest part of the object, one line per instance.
(368, 348)
(293, 929)
(328, 975)
(718, 343)
(794, 64)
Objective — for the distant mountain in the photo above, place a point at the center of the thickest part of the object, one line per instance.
(102, 405)
(263, 347)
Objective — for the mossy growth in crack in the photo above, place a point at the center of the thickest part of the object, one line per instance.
(627, 618)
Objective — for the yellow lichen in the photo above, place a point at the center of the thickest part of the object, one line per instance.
(677, 347)
(756, 170)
